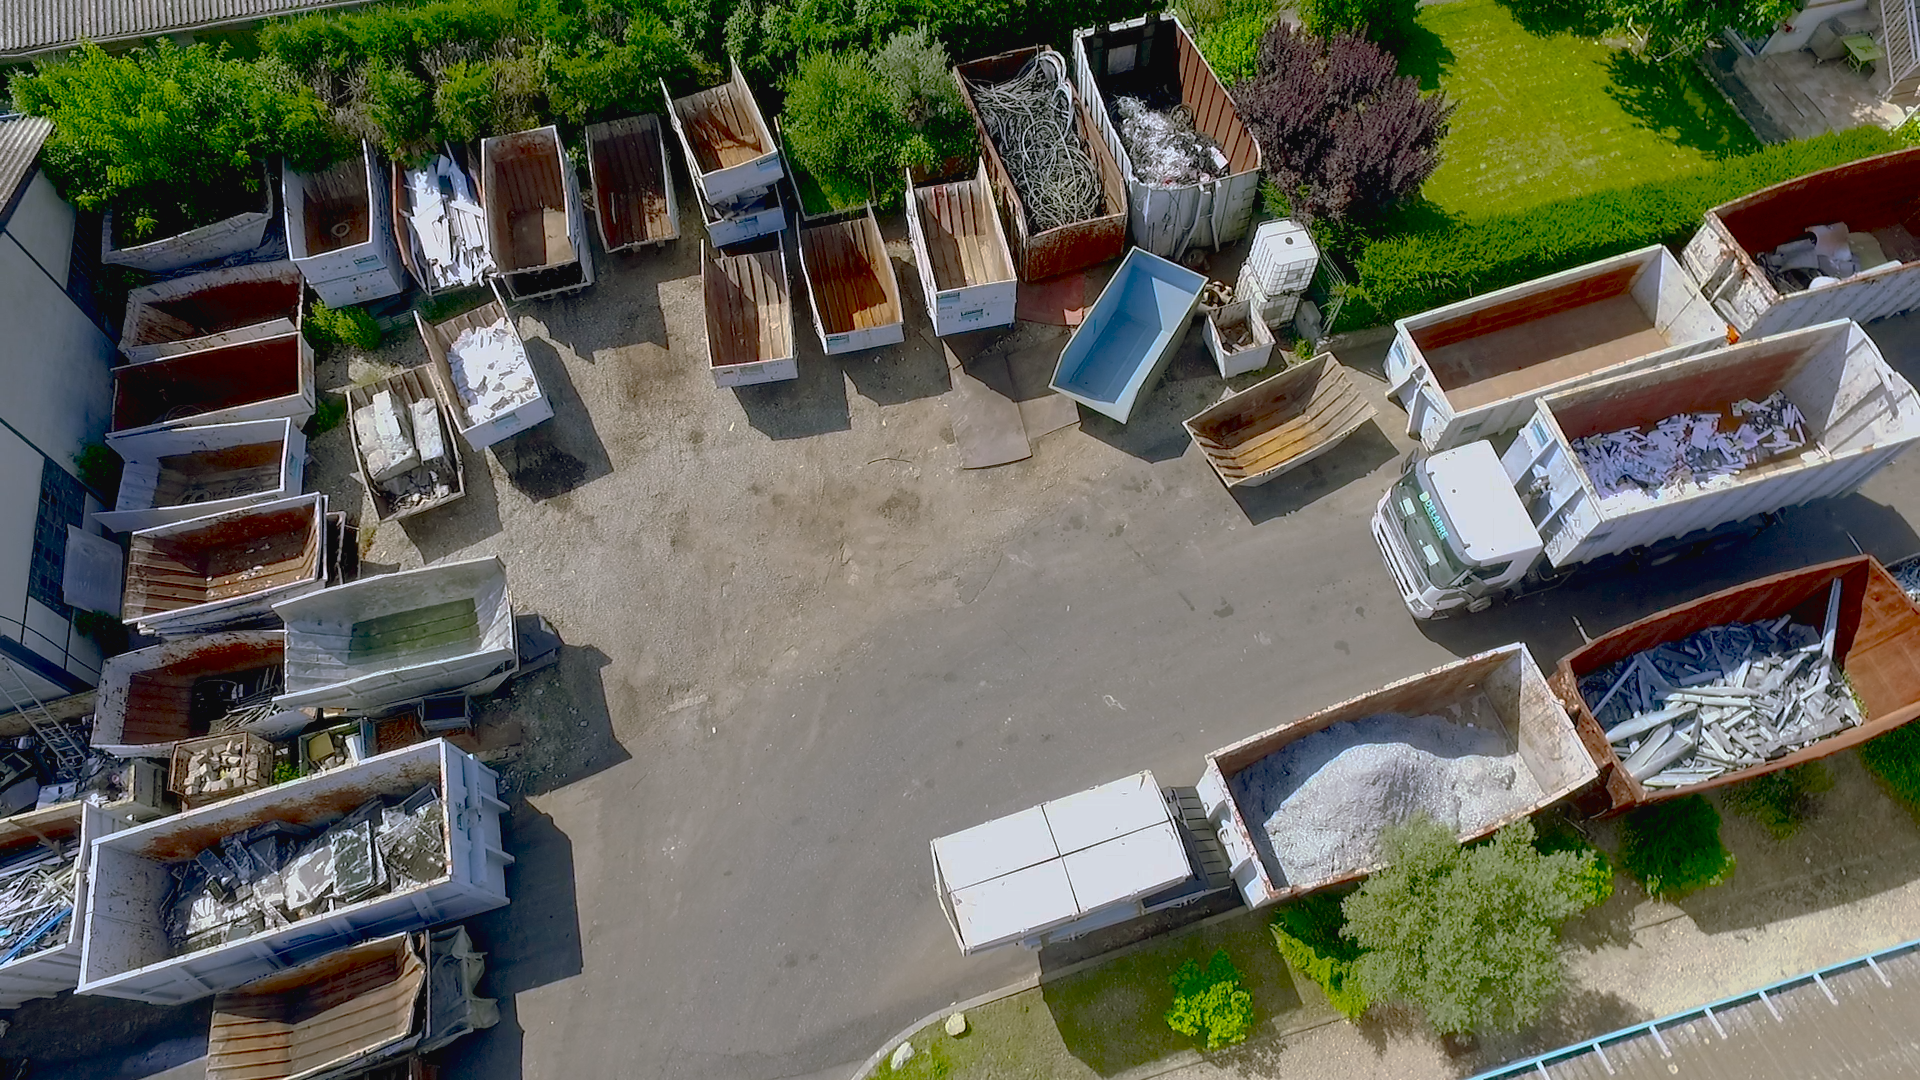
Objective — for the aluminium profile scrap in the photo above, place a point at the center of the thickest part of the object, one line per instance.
(1721, 700)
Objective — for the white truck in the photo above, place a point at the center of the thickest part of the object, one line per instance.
(1728, 438)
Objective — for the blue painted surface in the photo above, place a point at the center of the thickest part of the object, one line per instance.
(1124, 344)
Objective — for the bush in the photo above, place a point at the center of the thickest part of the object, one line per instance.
(1895, 759)
(1307, 933)
(1673, 848)
(1342, 132)
(854, 120)
(342, 326)
(1228, 34)
(98, 467)
(1470, 935)
(412, 76)
(1781, 801)
(1381, 20)
(1208, 1003)
(171, 138)
(1403, 274)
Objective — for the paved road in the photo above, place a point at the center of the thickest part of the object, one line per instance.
(753, 901)
(802, 645)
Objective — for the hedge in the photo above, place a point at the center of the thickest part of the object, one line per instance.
(1307, 933)
(1400, 275)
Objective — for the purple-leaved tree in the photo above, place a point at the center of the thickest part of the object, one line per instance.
(1343, 133)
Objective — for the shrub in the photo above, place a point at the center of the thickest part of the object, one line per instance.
(854, 120)
(1208, 1003)
(1381, 20)
(329, 411)
(1402, 274)
(97, 466)
(1342, 132)
(171, 138)
(1307, 933)
(1228, 34)
(342, 326)
(1781, 801)
(1673, 848)
(1895, 759)
(918, 77)
(411, 76)
(1470, 935)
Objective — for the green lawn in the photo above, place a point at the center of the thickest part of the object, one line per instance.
(1111, 1018)
(1544, 113)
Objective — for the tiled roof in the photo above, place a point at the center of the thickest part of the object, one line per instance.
(38, 26)
(20, 139)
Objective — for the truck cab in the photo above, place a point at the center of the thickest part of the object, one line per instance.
(1454, 533)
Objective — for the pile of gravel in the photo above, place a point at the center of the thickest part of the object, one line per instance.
(1324, 800)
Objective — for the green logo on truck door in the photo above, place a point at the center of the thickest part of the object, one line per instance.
(1433, 515)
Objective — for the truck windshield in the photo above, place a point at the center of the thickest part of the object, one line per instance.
(1426, 532)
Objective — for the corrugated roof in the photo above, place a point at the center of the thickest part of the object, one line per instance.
(37, 26)
(20, 141)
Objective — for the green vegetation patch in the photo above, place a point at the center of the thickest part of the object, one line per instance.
(1781, 801)
(1673, 848)
(1548, 116)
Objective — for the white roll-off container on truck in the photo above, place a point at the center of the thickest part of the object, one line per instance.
(1469, 526)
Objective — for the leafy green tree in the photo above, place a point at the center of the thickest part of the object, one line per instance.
(170, 137)
(855, 119)
(1208, 1003)
(1470, 935)
(1666, 28)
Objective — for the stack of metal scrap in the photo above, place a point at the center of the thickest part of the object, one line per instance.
(276, 874)
(1724, 699)
(228, 703)
(1690, 451)
(36, 900)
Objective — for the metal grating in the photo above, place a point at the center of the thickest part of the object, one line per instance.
(1858, 1020)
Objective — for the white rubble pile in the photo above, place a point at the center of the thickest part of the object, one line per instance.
(386, 437)
(1826, 255)
(1165, 149)
(448, 224)
(405, 449)
(1323, 800)
(490, 370)
(1724, 699)
(1690, 452)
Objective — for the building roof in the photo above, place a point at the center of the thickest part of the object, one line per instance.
(20, 141)
(29, 27)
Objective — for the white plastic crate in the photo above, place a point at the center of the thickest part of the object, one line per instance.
(1283, 258)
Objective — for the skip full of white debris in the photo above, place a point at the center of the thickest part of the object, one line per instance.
(1165, 149)
(1724, 699)
(491, 373)
(448, 224)
(1690, 452)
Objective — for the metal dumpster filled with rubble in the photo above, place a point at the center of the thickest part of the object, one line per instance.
(1839, 243)
(1759, 677)
(43, 885)
(1473, 745)
(217, 896)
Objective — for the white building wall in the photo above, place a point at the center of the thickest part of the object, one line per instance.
(54, 362)
(56, 370)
